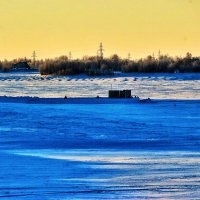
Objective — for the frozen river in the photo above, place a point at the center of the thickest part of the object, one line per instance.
(119, 151)
(170, 86)
(129, 151)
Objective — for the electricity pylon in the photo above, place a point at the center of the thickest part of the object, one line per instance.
(100, 51)
(34, 58)
(70, 55)
(129, 56)
(159, 54)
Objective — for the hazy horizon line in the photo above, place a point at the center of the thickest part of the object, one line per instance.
(153, 54)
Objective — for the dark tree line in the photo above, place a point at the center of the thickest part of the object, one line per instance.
(6, 65)
(94, 66)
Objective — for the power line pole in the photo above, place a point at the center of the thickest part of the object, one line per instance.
(159, 54)
(70, 55)
(34, 58)
(129, 56)
(153, 55)
(100, 51)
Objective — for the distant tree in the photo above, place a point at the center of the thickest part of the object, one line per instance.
(188, 56)
(91, 65)
(6, 66)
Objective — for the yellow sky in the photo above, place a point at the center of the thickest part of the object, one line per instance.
(141, 27)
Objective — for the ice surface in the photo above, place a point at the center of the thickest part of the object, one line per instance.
(170, 86)
(109, 151)
(119, 151)
(94, 174)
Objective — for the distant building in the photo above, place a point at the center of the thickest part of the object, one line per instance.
(21, 66)
(120, 94)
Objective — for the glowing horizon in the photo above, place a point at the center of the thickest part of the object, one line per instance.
(140, 27)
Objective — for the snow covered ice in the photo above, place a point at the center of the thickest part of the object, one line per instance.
(170, 86)
(119, 151)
